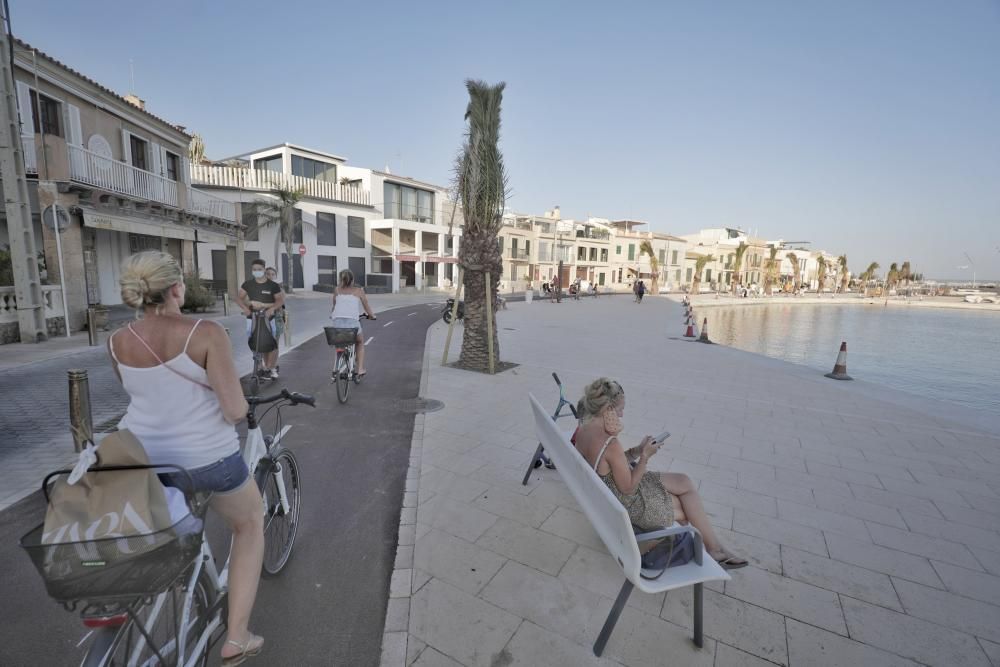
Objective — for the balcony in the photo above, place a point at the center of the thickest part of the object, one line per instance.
(596, 234)
(520, 255)
(108, 174)
(205, 204)
(263, 179)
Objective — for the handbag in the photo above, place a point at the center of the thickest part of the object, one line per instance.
(673, 551)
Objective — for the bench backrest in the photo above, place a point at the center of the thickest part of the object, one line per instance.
(606, 514)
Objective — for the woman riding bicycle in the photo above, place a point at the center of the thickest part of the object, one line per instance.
(185, 399)
(349, 301)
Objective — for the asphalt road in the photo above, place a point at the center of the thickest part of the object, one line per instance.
(328, 606)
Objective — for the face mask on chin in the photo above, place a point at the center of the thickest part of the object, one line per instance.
(258, 274)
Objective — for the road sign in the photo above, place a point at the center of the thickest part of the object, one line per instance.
(48, 217)
(302, 250)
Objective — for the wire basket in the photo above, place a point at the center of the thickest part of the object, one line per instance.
(339, 336)
(116, 567)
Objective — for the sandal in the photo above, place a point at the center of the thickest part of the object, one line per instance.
(248, 649)
(730, 562)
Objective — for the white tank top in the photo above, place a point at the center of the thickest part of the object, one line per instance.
(177, 420)
(348, 305)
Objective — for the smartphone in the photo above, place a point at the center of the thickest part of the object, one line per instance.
(658, 440)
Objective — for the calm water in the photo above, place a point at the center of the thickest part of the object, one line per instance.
(951, 355)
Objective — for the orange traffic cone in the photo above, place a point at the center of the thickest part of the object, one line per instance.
(703, 338)
(840, 368)
(690, 329)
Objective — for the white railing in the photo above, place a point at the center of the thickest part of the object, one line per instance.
(51, 295)
(263, 179)
(30, 156)
(103, 172)
(206, 204)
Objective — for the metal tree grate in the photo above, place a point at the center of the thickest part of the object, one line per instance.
(419, 405)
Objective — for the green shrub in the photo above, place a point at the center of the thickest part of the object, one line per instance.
(197, 297)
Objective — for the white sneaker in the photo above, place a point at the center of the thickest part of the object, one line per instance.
(274, 373)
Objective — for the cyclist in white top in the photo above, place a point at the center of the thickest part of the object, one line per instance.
(348, 302)
(185, 400)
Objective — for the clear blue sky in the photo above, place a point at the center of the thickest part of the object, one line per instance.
(871, 128)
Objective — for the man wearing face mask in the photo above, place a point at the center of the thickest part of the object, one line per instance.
(260, 293)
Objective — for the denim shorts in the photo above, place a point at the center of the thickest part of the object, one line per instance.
(347, 323)
(223, 476)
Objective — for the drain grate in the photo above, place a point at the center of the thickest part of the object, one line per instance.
(419, 405)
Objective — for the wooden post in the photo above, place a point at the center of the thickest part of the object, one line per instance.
(454, 316)
(489, 322)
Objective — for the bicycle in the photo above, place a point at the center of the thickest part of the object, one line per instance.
(165, 604)
(344, 342)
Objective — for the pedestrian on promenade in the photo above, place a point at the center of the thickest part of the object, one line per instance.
(259, 293)
(653, 500)
(349, 301)
(183, 411)
(640, 290)
(635, 291)
(280, 320)
(556, 296)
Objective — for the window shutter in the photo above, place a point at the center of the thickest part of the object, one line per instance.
(185, 174)
(126, 148)
(156, 159)
(24, 108)
(73, 128)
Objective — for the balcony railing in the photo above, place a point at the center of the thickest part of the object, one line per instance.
(103, 172)
(51, 297)
(517, 253)
(263, 179)
(598, 234)
(214, 207)
(30, 156)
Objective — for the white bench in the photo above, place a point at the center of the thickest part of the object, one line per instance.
(610, 519)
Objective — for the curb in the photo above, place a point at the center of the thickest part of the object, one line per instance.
(395, 632)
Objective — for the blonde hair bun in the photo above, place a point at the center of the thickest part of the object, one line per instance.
(598, 395)
(146, 276)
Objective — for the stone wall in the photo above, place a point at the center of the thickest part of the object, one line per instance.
(10, 332)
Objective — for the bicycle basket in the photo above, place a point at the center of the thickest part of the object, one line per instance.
(338, 336)
(139, 565)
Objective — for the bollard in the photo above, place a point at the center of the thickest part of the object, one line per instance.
(91, 329)
(225, 304)
(81, 421)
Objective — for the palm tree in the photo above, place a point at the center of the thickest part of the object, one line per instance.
(481, 181)
(771, 270)
(741, 250)
(868, 275)
(906, 273)
(891, 278)
(280, 211)
(646, 248)
(820, 273)
(794, 259)
(699, 266)
(844, 276)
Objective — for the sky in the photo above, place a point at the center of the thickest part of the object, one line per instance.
(866, 128)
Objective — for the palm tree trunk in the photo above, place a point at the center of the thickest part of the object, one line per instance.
(479, 255)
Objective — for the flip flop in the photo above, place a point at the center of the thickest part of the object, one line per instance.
(361, 375)
(248, 649)
(729, 562)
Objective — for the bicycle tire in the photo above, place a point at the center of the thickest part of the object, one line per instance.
(446, 316)
(343, 378)
(112, 647)
(280, 529)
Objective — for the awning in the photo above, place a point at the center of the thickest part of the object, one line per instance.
(136, 226)
(408, 258)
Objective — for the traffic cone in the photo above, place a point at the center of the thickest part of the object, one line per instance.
(690, 329)
(703, 338)
(840, 368)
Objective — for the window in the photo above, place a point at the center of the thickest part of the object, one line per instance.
(326, 228)
(604, 256)
(673, 260)
(137, 147)
(631, 251)
(600, 276)
(321, 171)
(272, 163)
(678, 275)
(513, 248)
(689, 274)
(173, 166)
(355, 232)
(618, 250)
(663, 255)
(405, 203)
(593, 254)
(527, 248)
(327, 269)
(581, 254)
(708, 275)
(45, 111)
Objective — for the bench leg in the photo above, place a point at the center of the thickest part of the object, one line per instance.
(531, 466)
(616, 610)
(698, 639)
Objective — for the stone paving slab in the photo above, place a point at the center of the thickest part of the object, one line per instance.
(871, 519)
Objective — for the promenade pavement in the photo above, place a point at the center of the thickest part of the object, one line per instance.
(871, 520)
(34, 412)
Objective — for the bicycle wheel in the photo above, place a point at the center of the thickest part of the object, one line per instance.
(343, 377)
(280, 527)
(126, 645)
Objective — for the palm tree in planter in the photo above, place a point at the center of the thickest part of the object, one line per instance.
(820, 274)
(844, 275)
(737, 279)
(646, 248)
(280, 212)
(794, 259)
(481, 182)
(771, 270)
(699, 267)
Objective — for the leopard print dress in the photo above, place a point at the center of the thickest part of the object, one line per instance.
(650, 507)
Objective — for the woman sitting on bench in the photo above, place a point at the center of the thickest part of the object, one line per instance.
(653, 500)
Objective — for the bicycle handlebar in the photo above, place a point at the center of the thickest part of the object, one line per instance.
(292, 397)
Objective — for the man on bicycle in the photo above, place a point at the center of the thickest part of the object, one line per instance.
(259, 293)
